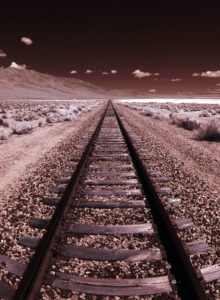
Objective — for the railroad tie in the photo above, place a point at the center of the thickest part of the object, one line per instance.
(113, 287)
(98, 254)
(133, 192)
(111, 204)
(112, 182)
(111, 229)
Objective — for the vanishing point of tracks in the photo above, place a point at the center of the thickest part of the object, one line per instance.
(110, 199)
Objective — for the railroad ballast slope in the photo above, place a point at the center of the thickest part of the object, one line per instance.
(193, 171)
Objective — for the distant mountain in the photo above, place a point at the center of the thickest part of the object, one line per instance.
(28, 84)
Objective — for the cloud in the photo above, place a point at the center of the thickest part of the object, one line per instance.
(16, 66)
(89, 71)
(218, 84)
(27, 41)
(152, 91)
(2, 54)
(175, 79)
(73, 72)
(210, 74)
(111, 72)
(156, 74)
(196, 74)
(139, 74)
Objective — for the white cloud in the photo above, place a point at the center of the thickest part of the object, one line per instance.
(2, 54)
(89, 71)
(152, 91)
(139, 74)
(196, 74)
(111, 72)
(16, 66)
(27, 41)
(175, 79)
(156, 74)
(218, 84)
(73, 72)
(210, 74)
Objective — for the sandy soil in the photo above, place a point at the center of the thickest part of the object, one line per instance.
(20, 154)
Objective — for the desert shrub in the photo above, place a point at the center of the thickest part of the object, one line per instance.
(30, 118)
(40, 123)
(44, 112)
(69, 118)
(212, 111)
(61, 111)
(135, 107)
(162, 116)
(8, 123)
(18, 119)
(148, 111)
(22, 128)
(210, 131)
(3, 134)
(204, 114)
(51, 119)
(66, 114)
(54, 118)
(84, 109)
(187, 123)
(74, 108)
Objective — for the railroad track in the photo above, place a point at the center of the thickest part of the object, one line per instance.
(110, 234)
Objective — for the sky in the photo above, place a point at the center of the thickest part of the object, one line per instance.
(152, 45)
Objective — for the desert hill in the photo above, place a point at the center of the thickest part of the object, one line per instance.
(29, 84)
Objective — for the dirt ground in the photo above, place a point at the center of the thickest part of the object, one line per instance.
(20, 154)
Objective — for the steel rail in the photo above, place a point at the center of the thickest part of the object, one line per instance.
(188, 283)
(35, 273)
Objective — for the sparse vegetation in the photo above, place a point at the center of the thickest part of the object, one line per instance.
(206, 109)
(3, 134)
(156, 114)
(53, 118)
(20, 117)
(8, 123)
(190, 116)
(205, 114)
(148, 111)
(22, 128)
